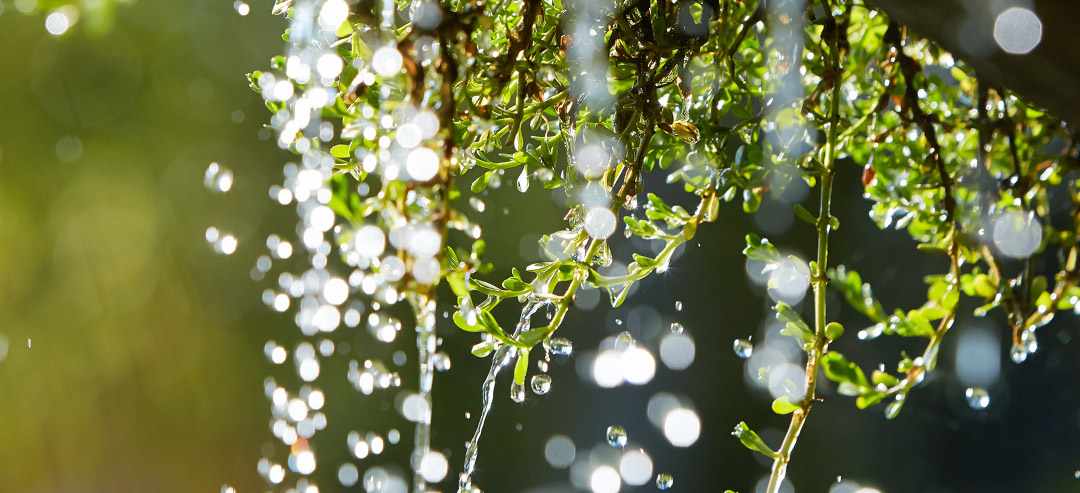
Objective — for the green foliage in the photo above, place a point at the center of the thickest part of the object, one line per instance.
(709, 95)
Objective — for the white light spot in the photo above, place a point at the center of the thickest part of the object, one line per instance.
(677, 351)
(386, 61)
(422, 164)
(636, 467)
(408, 135)
(433, 467)
(322, 218)
(276, 474)
(605, 479)
(600, 222)
(682, 427)
(638, 366)
(607, 369)
(369, 241)
(309, 369)
(1016, 234)
(333, 13)
(1017, 30)
(329, 66)
(416, 409)
(789, 278)
(560, 451)
(336, 291)
(305, 462)
(57, 22)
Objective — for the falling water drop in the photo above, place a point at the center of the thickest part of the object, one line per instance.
(893, 408)
(678, 306)
(616, 436)
(676, 328)
(977, 398)
(743, 348)
(559, 346)
(517, 392)
(624, 341)
(523, 180)
(1019, 353)
(541, 383)
(664, 481)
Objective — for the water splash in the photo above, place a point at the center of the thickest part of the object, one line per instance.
(504, 355)
(664, 481)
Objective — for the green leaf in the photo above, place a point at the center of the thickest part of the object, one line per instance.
(783, 405)
(480, 183)
(834, 330)
(522, 366)
(795, 325)
(758, 248)
(751, 440)
(464, 324)
(341, 151)
(805, 215)
(840, 370)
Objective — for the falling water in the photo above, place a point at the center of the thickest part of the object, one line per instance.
(426, 341)
(503, 356)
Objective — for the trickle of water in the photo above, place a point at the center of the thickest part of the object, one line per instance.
(625, 341)
(541, 383)
(616, 436)
(743, 348)
(676, 328)
(977, 398)
(559, 346)
(664, 481)
(523, 180)
(503, 356)
(1018, 353)
(678, 306)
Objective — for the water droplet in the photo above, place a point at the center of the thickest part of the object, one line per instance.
(1019, 353)
(871, 332)
(678, 306)
(894, 407)
(559, 346)
(441, 361)
(616, 436)
(624, 341)
(618, 321)
(977, 398)
(664, 481)
(541, 383)
(517, 392)
(523, 180)
(676, 328)
(1028, 339)
(743, 348)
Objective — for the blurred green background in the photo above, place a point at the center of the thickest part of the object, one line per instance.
(134, 354)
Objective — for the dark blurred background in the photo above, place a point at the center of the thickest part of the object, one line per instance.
(131, 354)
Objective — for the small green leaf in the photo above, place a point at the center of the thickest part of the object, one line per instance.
(834, 330)
(840, 370)
(522, 366)
(805, 215)
(340, 151)
(783, 405)
(751, 440)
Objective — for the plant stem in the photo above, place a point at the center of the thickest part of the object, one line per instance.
(819, 279)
